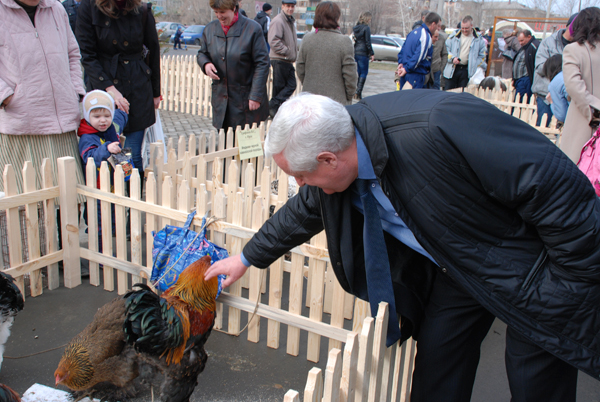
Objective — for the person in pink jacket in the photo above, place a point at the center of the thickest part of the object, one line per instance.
(40, 85)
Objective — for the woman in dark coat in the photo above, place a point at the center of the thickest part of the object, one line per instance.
(233, 52)
(363, 51)
(112, 35)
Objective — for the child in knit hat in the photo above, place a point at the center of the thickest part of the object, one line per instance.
(100, 128)
(98, 133)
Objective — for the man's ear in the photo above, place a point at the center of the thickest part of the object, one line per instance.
(328, 158)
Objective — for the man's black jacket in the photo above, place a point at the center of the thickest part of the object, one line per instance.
(262, 18)
(499, 207)
(530, 50)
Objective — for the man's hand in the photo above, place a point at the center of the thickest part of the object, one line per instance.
(157, 102)
(254, 105)
(211, 71)
(232, 267)
(549, 98)
(373, 58)
(455, 60)
(114, 147)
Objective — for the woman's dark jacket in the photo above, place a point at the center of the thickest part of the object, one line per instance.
(500, 208)
(362, 40)
(242, 63)
(111, 52)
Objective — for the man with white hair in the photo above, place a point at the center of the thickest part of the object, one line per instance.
(422, 210)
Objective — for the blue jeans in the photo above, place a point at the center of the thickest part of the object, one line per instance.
(133, 140)
(436, 81)
(523, 87)
(543, 108)
(362, 65)
(416, 80)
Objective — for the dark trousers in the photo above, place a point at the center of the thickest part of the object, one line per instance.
(284, 83)
(542, 109)
(448, 351)
(523, 87)
(435, 84)
(417, 81)
(362, 65)
(460, 78)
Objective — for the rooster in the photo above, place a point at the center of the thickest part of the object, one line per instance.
(8, 395)
(11, 302)
(143, 336)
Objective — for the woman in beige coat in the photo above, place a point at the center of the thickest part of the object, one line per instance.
(325, 63)
(580, 58)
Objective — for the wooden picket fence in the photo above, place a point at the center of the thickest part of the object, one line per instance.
(186, 89)
(366, 370)
(24, 234)
(525, 110)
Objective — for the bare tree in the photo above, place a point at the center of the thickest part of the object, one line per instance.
(193, 12)
(407, 12)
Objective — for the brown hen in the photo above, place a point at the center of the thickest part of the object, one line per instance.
(143, 336)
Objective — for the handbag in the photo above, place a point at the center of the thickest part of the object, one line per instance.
(589, 161)
(175, 248)
(509, 54)
(154, 133)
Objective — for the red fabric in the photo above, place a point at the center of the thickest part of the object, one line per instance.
(233, 21)
(85, 128)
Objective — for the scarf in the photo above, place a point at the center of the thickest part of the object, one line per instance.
(233, 21)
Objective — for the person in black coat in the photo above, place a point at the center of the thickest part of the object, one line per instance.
(524, 63)
(264, 19)
(234, 54)
(363, 51)
(114, 36)
(484, 217)
(71, 7)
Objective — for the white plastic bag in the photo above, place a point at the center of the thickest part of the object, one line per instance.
(154, 133)
(477, 77)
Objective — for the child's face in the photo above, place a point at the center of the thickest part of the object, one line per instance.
(100, 119)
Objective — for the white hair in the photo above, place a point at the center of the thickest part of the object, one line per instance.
(307, 125)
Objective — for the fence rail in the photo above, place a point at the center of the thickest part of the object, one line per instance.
(186, 89)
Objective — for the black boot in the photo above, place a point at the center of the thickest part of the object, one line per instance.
(359, 88)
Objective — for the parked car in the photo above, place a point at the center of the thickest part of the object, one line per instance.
(166, 29)
(191, 35)
(386, 47)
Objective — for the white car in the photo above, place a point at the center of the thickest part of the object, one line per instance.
(386, 47)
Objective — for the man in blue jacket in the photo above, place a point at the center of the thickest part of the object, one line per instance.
(414, 59)
(482, 217)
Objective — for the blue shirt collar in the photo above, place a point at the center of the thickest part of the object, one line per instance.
(365, 166)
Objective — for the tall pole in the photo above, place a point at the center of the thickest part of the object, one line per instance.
(440, 9)
(547, 16)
